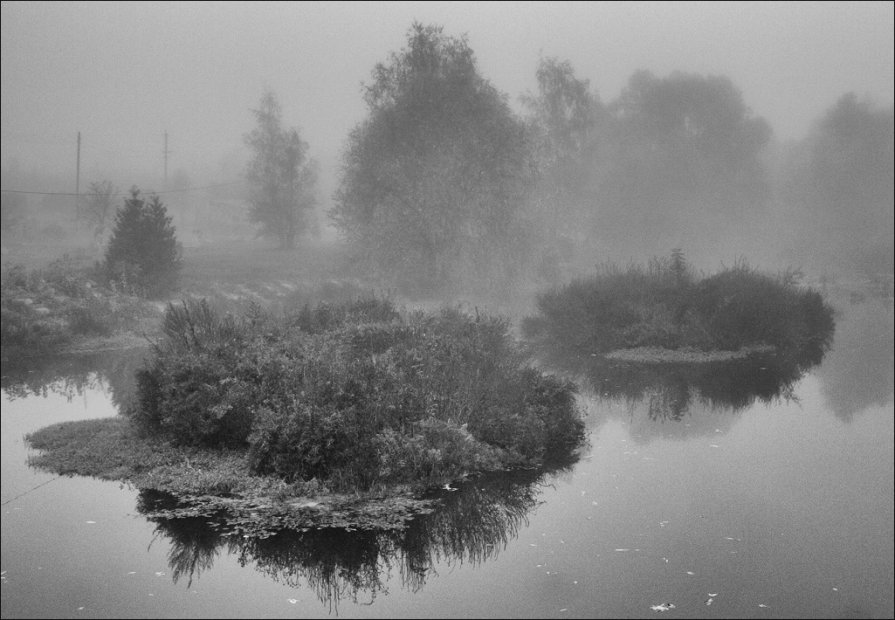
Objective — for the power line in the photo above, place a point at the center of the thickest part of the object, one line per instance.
(170, 191)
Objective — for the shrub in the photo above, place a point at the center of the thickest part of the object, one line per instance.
(665, 306)
(374, 396)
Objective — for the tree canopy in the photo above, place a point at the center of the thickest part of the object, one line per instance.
(838, 183)
(280, 176)
(683, 155)
(433, 177)
(143, 253)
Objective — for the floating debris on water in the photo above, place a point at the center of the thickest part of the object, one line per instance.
(662, 607)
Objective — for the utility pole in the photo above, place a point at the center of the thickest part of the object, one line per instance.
(78, 181)
(166, 151)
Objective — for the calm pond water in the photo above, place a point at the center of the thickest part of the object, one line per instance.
(762, 489)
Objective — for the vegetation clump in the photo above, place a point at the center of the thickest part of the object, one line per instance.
(46, 310)
(665, 305)
(354, 395)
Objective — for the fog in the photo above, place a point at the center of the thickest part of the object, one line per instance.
(161, 89)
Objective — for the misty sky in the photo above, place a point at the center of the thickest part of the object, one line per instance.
(124, 73)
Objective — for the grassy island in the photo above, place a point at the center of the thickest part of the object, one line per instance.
(355, 399)
(664, 312)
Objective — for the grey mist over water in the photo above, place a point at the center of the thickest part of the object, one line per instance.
(735, 134)
(727, 505)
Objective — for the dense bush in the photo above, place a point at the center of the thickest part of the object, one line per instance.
(665, 305)
(355, 394)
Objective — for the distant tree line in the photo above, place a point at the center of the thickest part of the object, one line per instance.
(443, 181)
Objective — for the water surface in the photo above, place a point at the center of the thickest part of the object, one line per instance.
(759, 491)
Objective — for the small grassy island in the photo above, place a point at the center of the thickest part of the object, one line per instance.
(337, 415)
(665, 313)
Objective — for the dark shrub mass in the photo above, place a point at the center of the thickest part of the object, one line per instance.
(355, 394)
(665, 305)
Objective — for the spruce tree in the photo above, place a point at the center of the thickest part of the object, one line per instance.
(143, 253)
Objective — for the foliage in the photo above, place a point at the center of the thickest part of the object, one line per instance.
(46, 309)
(281, 178)
(97, 210)
(565, 121)
(433, 178)
(354, 395)
(839, 180)
(13, 210)
(682, 154)
(665, 306)
(143, 253)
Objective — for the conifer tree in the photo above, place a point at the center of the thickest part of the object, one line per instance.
(143, 253)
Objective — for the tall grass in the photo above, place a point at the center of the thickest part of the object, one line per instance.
(354, 394)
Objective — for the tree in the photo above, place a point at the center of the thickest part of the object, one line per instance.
(98, 207)
(432, 179)
(838, 185)
(13, 209)
(564, 123)
(682, 163)
(281, 178)
(143, 251)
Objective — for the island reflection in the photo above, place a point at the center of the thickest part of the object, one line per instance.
(657, 395)
(471, 524)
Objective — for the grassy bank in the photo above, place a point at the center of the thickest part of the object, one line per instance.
(60, 306)
(335, 398)
(665, 305)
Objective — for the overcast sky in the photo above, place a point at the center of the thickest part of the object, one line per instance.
(123, 73)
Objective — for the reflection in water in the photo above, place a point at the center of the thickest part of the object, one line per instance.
(671, 392)
(858, 372)
(471, 525)
(73, 375)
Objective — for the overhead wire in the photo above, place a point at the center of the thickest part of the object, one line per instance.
(88, 193)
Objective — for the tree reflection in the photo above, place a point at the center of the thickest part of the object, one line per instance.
(858, 373)
(471, 525)
(675, 391)
(73, 375)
